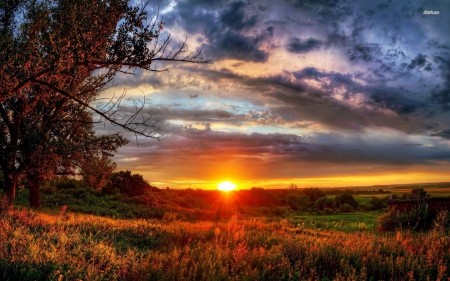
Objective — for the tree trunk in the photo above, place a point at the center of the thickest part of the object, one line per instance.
(35, 195)
(10, 189)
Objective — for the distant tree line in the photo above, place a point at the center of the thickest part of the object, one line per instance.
(315, 199)
(124, 193)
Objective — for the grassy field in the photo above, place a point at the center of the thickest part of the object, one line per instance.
(195, 236)
(351, 222)
(38, 246)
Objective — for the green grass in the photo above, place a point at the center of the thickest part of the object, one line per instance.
(349, 222)
(364, 198)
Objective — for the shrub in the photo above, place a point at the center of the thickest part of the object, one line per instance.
(279, 211)
(59, 183)
(374, 203)
(415, 219)
(345, 199)
(127, 184)
(346, 208)
(3, 203)
(313, 193)
(416, 193)
(323, 203)
(442, 221)
(328, 211)
(298, 202)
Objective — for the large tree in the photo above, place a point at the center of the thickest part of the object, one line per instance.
(62, 149)
(56, 56)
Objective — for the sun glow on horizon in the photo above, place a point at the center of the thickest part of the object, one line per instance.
(226, 186)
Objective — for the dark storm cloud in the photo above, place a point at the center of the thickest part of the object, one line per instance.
(326, 10)
(309, 3)
(377, 96)
(435, 43)
(234, 17)
(232, 45)
(443, 134)
(298, 46)
(395, 99)
(440, 95)
(230, 32)
(204, 3)
(291, 98)
(367, 52)
(419, 62)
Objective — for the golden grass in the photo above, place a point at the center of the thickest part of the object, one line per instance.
(36, 246)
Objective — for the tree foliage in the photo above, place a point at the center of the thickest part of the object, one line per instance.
(345, 199)
(96, 173)
(418, 193)
(130, 185)
(324, 202)
(313, 193)
(298, 202)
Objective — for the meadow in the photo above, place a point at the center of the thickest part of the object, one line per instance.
(39, 246)
(296, 245)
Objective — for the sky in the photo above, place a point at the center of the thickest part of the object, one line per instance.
(319, 93)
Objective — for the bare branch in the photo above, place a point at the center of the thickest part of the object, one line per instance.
(128, 125)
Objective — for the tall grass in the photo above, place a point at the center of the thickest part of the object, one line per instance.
(37, 246)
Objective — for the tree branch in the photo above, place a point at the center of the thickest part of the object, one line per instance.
(128, 125)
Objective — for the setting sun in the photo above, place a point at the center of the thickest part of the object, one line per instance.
(226, 186)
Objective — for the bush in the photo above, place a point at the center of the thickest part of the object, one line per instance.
(416, 219)
(442, 221)
(59, 183)
(89, 201)
(345, 199)
(313, 193)
(298, 202)
(375, 204)
(323, 203)
(3, 203)
(279, 211)
(127, 184)
(346, 208)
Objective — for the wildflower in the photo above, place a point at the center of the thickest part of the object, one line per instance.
(63, 210)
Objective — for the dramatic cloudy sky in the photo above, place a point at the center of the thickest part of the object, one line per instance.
(316, 93)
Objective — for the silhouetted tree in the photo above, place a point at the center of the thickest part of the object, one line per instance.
(418, 193)
(127, 184)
